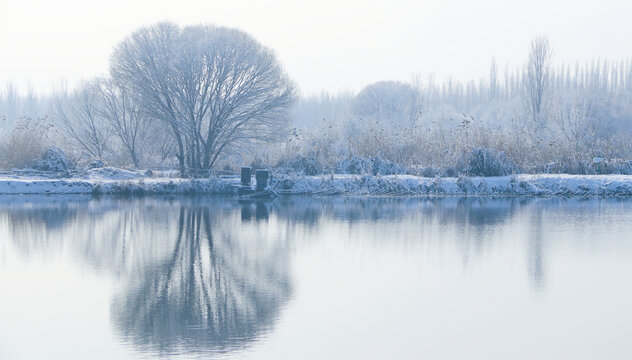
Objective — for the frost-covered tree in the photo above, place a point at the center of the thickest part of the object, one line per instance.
(493, 80)
(81, 121)
(215, 88)
(122, 110)
(537, 74)
(581, 117)
(389, 102)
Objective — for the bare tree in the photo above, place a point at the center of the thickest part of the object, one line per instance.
(158, 144)
(580, 118)
(122, 109)
(493, 79)
(81, 122)
(216, 88)
(536, 78)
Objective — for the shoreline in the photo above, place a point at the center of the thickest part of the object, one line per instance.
(345, 185)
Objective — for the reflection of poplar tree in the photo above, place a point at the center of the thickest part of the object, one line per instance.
(536, 251)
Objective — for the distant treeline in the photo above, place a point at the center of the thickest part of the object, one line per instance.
(541, 117)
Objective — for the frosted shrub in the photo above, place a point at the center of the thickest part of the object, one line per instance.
(27, 142)
(94, 164)
(566, 165)
(53, 159)
(430, 172)
(306, 165)
(618, 166)
(373, 166)
(488, 162)
(382, 166)
(355, 165)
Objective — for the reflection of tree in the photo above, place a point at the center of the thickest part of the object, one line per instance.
(208, 293)
(477, 211)
(536, 250)
(99, 233)
(194, 277)
(209, 274)
(473, 218)
(35, 221)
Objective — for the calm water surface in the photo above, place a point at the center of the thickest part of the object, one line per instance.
(315, 278)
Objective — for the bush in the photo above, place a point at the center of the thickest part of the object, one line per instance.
(565, 166)
(26, 142)
(53, 159)
(354, 165)
(488, 162)
(373, 166)
(430, 172)
(94, 164)
(618, 166)
(385, 167)
(305, 165)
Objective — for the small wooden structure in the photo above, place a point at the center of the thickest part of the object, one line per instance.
(261, 191)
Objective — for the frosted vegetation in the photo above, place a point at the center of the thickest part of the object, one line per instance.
(108, 180)
(203, 97)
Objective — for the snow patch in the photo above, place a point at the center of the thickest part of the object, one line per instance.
(112, 173)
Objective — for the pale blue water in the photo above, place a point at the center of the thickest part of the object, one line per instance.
(315, 278)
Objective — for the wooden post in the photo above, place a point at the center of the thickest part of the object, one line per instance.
(262, 179)
(246, 174)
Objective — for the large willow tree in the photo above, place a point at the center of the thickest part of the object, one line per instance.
(216, 89)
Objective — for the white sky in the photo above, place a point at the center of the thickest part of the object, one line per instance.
(330, 45)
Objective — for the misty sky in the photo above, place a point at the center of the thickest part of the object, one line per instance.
(330, 45)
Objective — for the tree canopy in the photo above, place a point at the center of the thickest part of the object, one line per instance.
(216, 88)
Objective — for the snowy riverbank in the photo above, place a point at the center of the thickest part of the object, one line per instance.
(116, 181)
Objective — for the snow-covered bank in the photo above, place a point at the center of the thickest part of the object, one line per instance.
(563, 185)
(109, 182)
(108, 186)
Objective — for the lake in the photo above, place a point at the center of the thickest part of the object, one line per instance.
(315, 278)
